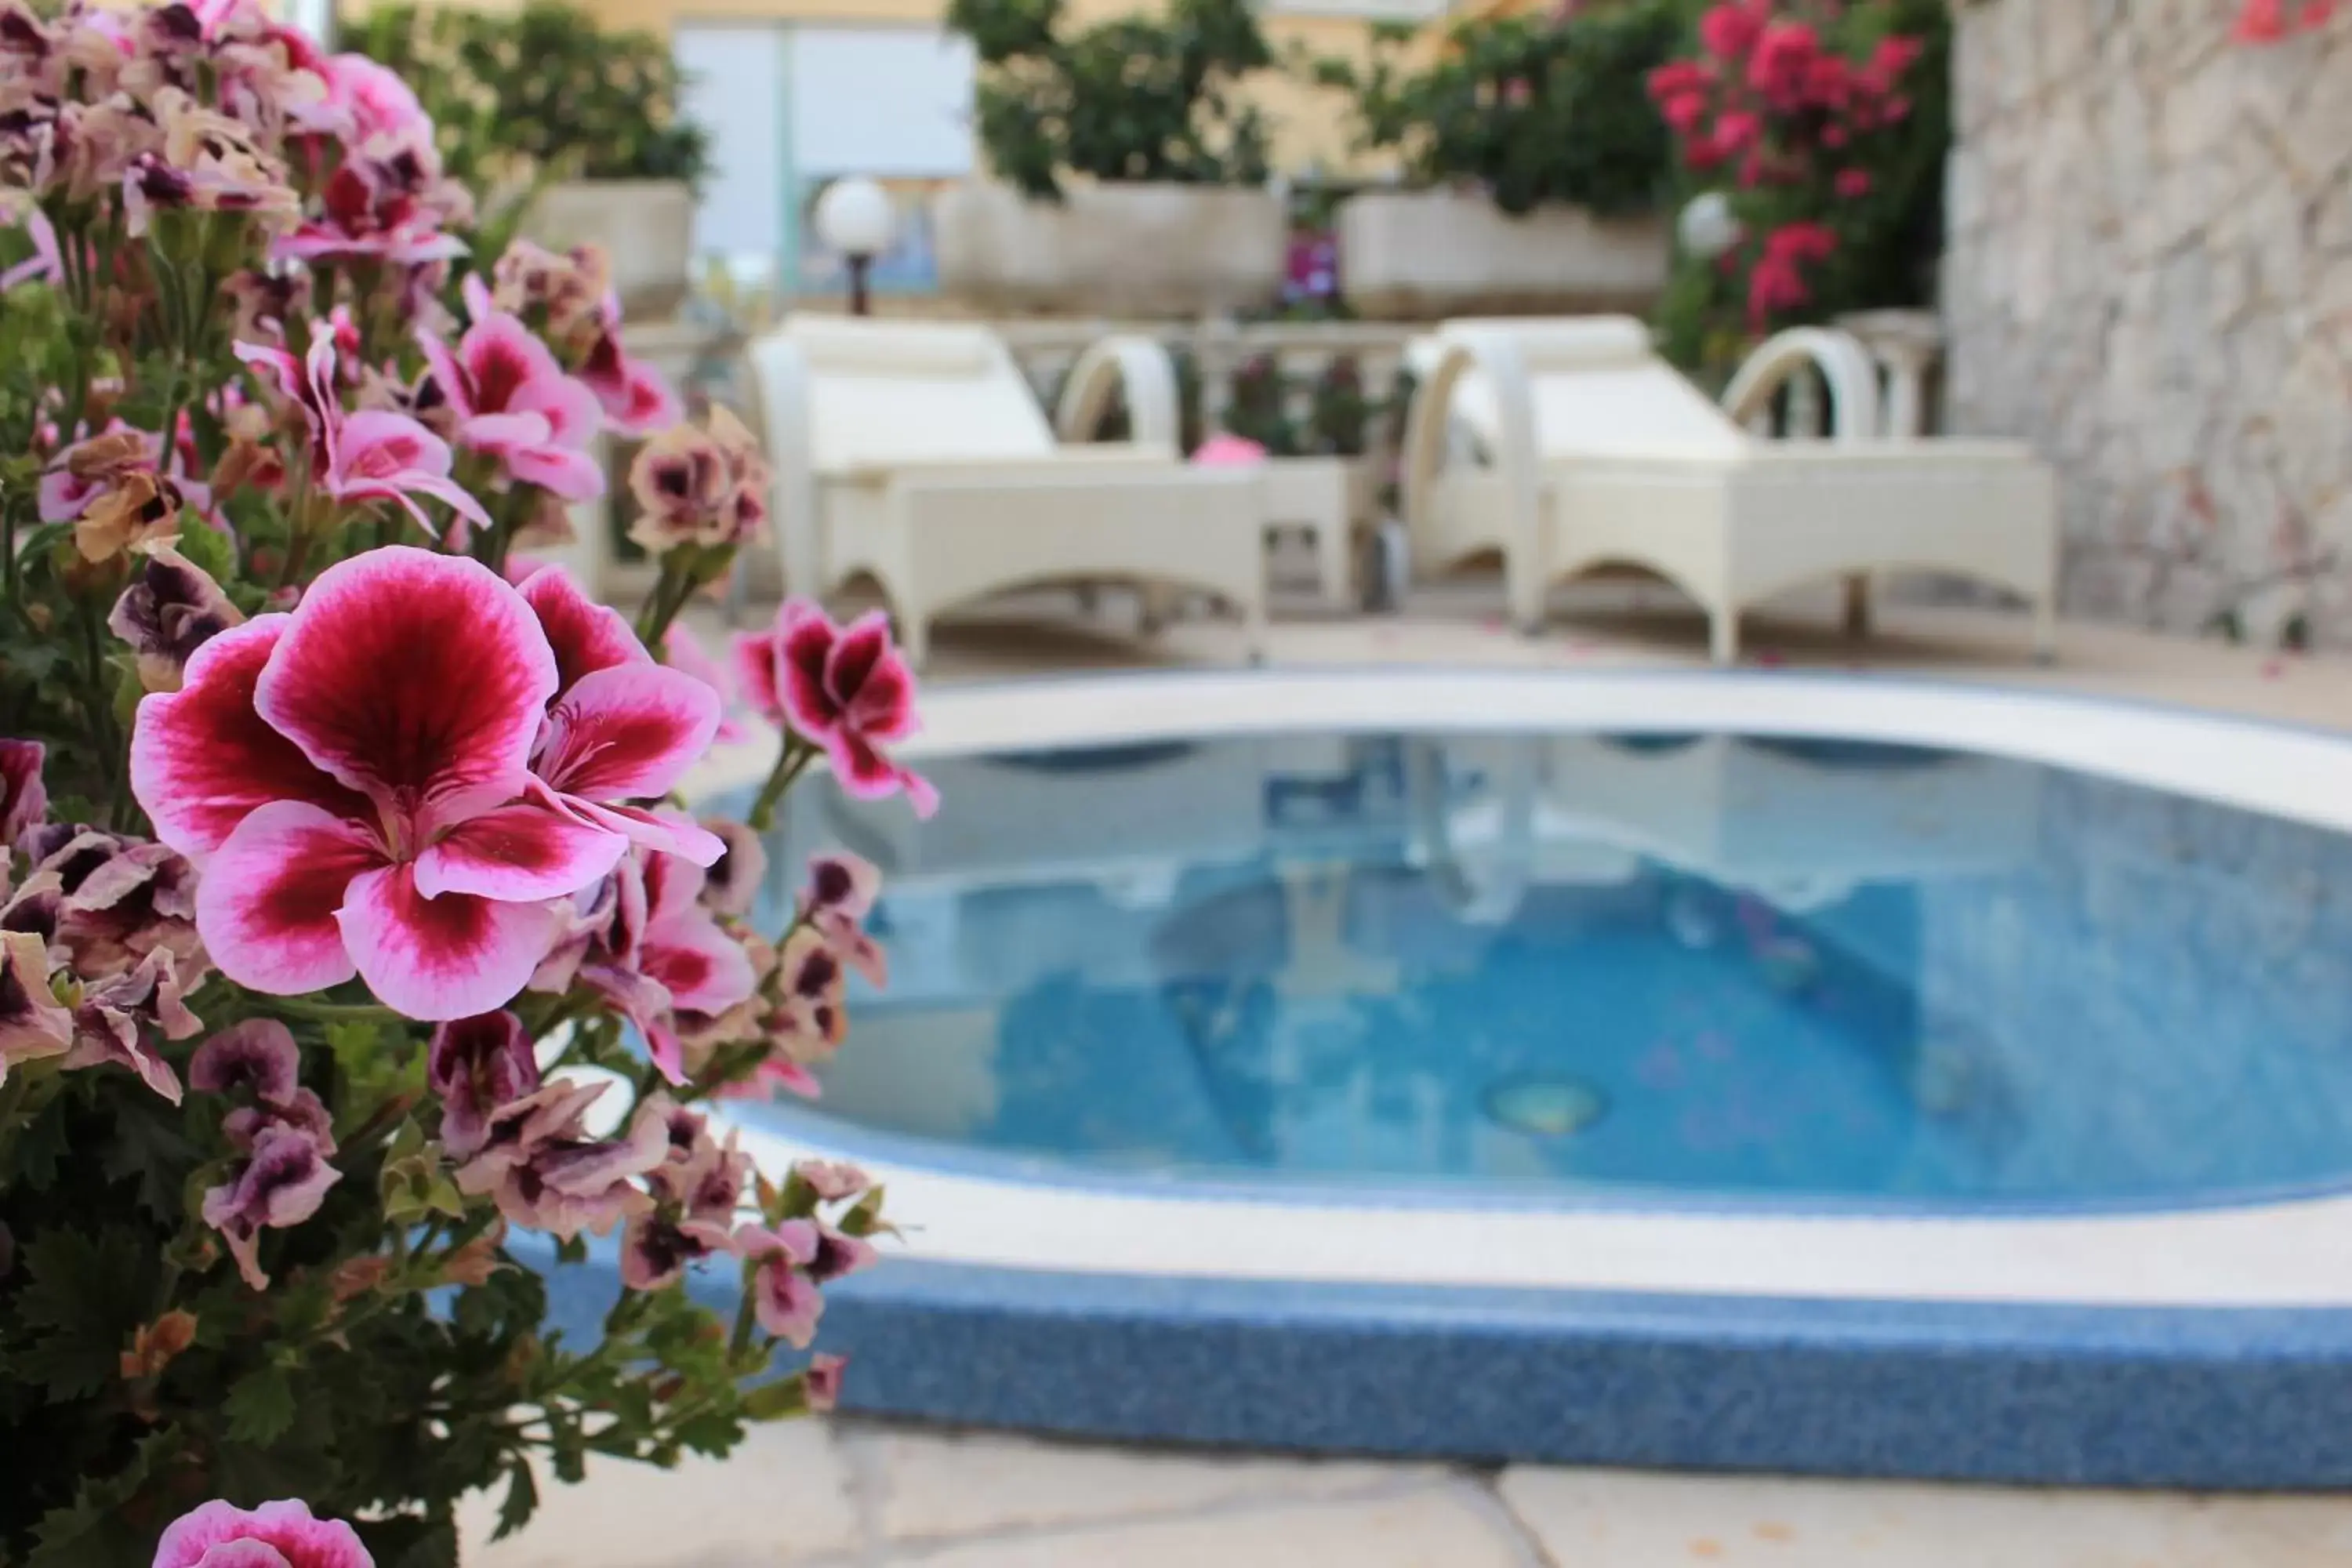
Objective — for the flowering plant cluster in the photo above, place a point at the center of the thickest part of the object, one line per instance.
(359, 960)
(2269, 21)
(1823, 123)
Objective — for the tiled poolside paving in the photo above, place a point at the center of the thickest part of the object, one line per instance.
(853, 1491)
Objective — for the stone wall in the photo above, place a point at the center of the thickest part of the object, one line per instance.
(2149, 275)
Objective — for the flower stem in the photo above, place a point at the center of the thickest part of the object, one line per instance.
(335, 1012)
(797, 755)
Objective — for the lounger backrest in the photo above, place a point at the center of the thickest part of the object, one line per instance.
(1598, 388)
(888, 391)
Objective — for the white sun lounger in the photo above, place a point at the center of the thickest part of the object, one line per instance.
(1569, 447)
(914, 454)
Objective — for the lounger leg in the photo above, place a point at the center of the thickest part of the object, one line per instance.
(915, 640)
(1253, 626)
(1155, 608)
(2045, 630)
(1723, 635)
(1332, 537)
(1857, 605)
(1525, 586)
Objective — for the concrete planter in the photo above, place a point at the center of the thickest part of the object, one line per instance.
(1416, 255)
(645, 226)
(1129, 250)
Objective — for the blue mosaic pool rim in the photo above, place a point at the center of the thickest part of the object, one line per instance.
(2219, 1399)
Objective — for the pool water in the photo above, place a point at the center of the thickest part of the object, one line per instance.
(1682, 967)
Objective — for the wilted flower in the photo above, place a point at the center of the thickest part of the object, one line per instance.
(844, 689)
(537, 1163)
(257, 1057)
(274, 1535)
(706, 487)
(87, 470)
(280, 1183)
(33, 1025)
(138, 512)
(170, 610)
(477, 1064)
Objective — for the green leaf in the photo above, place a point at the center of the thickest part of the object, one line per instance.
(521, 1499)
(572, 1249)
(82, 1298)
(260, 1406)
(91, 1531)
(786, 1397)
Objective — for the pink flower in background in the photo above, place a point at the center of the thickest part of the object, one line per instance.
(686, 653)
(822, 1381)
(370, 101)
(620, 726)
(349, 776)
(1228, 451)
(844, 689)
(274, 1535)
(1853, 184)
(23, 796)
(514, 402)
(783, 1296)
(637, 399)
(370, 456)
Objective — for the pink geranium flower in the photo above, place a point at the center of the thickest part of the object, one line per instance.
(844, 689)
(514, 402)
(353, 778)
(636, 398)
(683, 652)
(620, 727)
(370, 456)
(274, 1535)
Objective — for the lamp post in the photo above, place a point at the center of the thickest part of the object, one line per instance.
(854, 217)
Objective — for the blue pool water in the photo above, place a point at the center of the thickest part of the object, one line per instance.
(1689, 968)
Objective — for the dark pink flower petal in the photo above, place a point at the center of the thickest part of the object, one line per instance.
(869, 679)
(441, 958)
(702, 968)
(866, 773)
(196, 1540)
(202, 758)
(24, 798)
(266, 904)
(804, 643)
(755, 655)
(626, 733)
(586, 636)
(664, 831)
(419, 680)
(521, 853)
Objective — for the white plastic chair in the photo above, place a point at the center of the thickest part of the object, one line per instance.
(914, 455)
(1569, 446)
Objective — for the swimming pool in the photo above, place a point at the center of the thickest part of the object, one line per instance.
(1816, 1074)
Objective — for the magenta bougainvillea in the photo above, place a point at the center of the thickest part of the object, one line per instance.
(1791, 104)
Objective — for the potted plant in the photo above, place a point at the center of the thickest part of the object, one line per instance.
(1535, 167)
(363, 977)
(578, 126)
(1127, 178)
(1810, 139)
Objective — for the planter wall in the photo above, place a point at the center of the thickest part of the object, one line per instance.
(1130, 250)
(645, 226)
(1421, 255)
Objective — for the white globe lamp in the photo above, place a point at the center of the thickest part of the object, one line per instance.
(1708, 227)
(855, 218)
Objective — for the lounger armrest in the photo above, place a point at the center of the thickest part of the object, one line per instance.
(1091, 457)
(1136, 470)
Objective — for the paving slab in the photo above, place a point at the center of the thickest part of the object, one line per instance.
(1616, 1519)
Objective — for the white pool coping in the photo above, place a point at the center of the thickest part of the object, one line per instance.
(2284, 1254)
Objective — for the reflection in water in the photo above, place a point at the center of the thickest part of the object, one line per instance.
(1692, 963)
